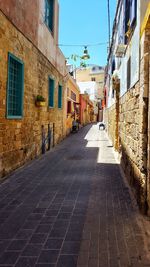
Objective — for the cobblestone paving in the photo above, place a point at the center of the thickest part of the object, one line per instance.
(70, 208)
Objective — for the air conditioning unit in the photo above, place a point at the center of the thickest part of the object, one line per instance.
(120, 50)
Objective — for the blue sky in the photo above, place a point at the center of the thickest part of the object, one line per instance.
(85, 22)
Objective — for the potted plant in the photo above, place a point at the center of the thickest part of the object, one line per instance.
(40, 101)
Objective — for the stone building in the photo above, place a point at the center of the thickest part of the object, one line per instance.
(73, 104)
(31, 68)
(86, 110)
(91, 80)
(128, 94)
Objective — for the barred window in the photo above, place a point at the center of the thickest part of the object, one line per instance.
(15, 87)
(73, 96)
(59, 96)
(49, 14)
(51, 92)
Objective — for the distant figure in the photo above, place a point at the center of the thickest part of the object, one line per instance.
(102, 125)
(74, 126)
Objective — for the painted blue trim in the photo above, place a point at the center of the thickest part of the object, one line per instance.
(15, 58)
(14, 117)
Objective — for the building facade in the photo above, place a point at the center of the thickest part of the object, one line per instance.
(73, 104)
(127, 94)
(32, 68)
(86, 110)
(91, 80)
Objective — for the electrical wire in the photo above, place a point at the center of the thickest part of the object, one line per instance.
(88, 45)
(108, 10)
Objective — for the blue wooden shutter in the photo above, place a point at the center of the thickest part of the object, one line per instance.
(133, 11)
(59, 96)
(113, 65)
(51, 92)
(127, 18)
(49, 13)
(124, 6)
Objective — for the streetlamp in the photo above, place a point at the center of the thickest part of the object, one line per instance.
(85, 54)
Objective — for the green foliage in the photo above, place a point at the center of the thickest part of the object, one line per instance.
(40, 98)
(83, 64)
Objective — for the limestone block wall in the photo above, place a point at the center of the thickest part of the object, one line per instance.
(110, 121)
(145, 102)
(21, 139)
(130, 140)
(134, 124)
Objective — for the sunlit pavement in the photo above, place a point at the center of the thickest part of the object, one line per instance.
(71, 207)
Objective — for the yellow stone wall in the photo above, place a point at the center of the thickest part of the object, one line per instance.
(132, 138)
(20, 139)
(84, 75)
(109, 118)
(71, 86)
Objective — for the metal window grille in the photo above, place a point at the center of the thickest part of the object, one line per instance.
(51, 93)
(59, 96)
(73, 96)
(15, 87)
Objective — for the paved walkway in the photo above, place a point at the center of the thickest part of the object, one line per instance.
(71, 208)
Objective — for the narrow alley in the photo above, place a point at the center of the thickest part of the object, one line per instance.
(71, 207)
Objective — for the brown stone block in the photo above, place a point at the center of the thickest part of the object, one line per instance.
(27, 131)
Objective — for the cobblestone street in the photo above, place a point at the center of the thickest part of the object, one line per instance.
(71, 207)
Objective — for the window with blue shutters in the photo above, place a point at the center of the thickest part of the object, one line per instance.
(133, 11)
(15, 87)
(127, 18)
(59, 96)
(130, 14)
(51, 92)
(49, 14)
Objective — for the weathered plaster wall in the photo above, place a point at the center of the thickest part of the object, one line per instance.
(48, 41)
(24, 15)
(20, 139)
(28, 17)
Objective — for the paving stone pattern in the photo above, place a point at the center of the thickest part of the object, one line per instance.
(70, 208)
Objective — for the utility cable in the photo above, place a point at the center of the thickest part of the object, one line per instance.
(87, 45)
(108, 9)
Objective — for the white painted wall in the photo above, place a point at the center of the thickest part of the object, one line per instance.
(90, 88)
(133, 51)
